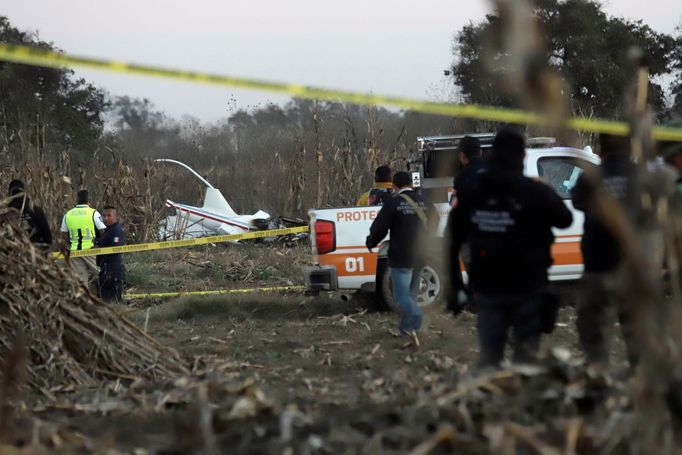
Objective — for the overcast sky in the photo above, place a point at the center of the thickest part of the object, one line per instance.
(383, 46)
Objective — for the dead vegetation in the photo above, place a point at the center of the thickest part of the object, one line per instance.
(221, 266)
(267, 374)
(71, 338)
(310, 376)
(52, 182)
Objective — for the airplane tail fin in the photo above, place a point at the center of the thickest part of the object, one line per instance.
(215, 202)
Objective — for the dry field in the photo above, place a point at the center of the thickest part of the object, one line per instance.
(276, 373)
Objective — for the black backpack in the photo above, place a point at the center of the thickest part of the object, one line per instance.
(377, 196)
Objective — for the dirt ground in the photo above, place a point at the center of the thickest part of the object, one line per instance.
(280, 373)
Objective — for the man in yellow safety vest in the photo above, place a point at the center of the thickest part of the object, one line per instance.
(80, 226)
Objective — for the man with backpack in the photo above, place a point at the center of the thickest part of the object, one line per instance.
(381, 191)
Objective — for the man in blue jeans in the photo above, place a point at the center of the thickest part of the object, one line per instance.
(507, 220)
(404, 216)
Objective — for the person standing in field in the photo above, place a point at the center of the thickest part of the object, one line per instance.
(672, 154)
(381, 191)
(32, 216)
(404, 216)
(601, 299)
(112, 270)
(470, 156)
(507, 219)
(80, 226)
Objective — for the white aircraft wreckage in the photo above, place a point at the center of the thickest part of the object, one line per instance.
(216, 216)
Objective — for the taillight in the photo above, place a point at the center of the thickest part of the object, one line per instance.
(325, 236)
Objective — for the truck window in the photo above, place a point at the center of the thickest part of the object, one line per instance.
(440, 163)
(561, 173)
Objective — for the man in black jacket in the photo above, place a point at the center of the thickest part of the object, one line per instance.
(618, 177)
(404, 216)
(507, 219)
(472, 164)
(33, 216)
(470, 156)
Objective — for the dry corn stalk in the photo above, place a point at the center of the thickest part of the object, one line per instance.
(72, 336)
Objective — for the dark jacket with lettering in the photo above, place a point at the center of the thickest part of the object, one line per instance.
(112, 236)
(507, 219)
(616, 176)
(396, 215)
(35, 221)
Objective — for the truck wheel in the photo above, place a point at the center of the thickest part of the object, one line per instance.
(431, 287)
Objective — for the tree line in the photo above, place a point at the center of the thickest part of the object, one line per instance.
(61, 133)
(590, 49)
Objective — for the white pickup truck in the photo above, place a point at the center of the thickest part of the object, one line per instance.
(343, 263)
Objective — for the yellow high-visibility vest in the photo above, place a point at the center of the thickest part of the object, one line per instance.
(80, 222)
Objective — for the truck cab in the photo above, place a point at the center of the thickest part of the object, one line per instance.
(436, 162)
(341, 262)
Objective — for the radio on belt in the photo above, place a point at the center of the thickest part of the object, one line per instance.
(416, 180)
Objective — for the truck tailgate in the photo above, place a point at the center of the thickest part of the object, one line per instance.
(354, 264)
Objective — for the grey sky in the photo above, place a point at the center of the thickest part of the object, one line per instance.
(383, 46)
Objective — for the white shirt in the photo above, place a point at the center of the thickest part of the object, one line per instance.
(96, 217)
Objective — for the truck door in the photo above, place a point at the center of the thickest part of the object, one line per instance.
(561, 173)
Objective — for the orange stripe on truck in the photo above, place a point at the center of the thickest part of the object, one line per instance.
(352, 264)
(357, 264)
(567, 253)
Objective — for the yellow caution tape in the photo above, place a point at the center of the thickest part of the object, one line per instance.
(183, 243)
(43, 57)
(216, 292)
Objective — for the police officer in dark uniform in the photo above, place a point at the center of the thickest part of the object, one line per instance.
(601, 298)
(33, 216)
(507, 219)
(470, 157)
(472, 163)
(405, 217)
(672, 153)
(112, 270)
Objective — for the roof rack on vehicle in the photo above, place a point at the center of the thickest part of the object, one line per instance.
(541, 142)
(450, 142)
